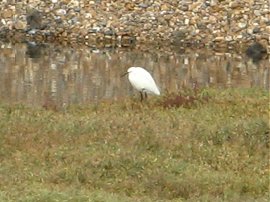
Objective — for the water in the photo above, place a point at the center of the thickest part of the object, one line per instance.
(33, 74)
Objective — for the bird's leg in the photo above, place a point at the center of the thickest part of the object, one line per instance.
(141, 95)
(145, 95)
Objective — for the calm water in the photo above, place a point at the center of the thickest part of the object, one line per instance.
(33, 74)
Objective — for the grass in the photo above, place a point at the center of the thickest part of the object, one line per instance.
(215, 149)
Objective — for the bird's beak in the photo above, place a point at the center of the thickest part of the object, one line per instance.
(124, 74)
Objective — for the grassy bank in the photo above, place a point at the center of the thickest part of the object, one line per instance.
(214, 150)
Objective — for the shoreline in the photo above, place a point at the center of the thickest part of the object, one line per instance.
(212, 24)
(156, 45)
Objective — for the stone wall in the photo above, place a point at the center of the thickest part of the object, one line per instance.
(221, 23)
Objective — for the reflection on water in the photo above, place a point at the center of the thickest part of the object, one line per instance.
(34, 74)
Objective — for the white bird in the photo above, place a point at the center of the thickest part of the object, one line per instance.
(142, 81)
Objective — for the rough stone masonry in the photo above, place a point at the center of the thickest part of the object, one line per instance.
(223, 23)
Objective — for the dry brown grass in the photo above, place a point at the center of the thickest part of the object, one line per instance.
(216, 150)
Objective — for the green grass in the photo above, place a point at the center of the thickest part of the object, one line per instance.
(215, 150)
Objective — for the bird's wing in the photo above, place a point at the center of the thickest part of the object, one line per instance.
(149, 83)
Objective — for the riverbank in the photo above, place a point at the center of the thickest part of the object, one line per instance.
(214, 149)
(213, 23)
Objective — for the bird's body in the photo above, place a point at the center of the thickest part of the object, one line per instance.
(142, 81)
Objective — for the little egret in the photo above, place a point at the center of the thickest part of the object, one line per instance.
(142, 81)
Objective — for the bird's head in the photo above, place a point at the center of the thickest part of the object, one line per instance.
(128, 71)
